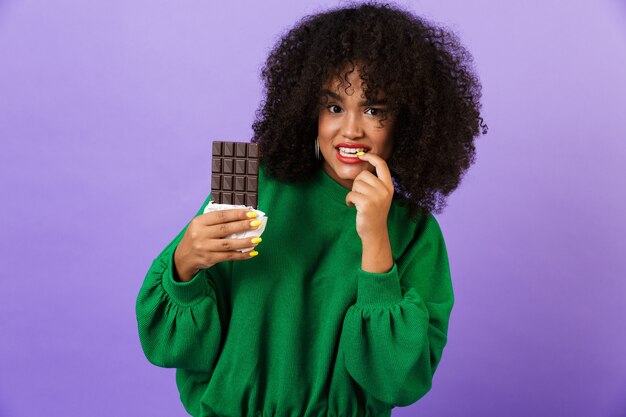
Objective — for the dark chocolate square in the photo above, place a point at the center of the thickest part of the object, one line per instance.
(240, 166)
(240, 151)
(217, 165)
(227, 165)
(216, 182)
(217, 148)
(229, 148)
(251, 183)
(227, 183)
(240, 199)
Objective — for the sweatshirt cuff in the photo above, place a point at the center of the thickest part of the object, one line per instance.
(378, 289)
(184, 293)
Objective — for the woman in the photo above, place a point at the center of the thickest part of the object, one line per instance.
(368, 122)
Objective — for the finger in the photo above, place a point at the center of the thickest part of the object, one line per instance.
(366, 188)
(233, 255)
(354, 198)
(224, 245)
(369, 178)
(226, 229)
(382, 170)
(225, 216)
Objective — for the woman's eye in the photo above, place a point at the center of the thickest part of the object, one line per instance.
(333, 106)
(377, 112)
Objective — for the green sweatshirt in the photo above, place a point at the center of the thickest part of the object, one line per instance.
(301, 330)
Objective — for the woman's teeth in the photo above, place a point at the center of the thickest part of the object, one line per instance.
(351, 152)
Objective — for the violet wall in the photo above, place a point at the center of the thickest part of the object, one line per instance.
(107, 110)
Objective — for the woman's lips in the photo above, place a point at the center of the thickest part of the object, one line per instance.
(347, 159)
(352, 145)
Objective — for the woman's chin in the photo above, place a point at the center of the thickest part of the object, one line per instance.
(349, 172)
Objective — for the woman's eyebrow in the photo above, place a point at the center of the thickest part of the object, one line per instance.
(379, 102)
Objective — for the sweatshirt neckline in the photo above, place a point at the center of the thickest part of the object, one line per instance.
(329, 186)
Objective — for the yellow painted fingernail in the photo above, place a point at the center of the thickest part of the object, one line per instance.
(251, 214)
(256, 240)
(255, 223)
(253, 253)
(360, 153)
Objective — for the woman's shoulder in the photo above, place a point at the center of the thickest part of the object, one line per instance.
(406, 230)
(399, 213)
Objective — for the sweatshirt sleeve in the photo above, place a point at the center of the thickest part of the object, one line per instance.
(179, 322)
(394, 335)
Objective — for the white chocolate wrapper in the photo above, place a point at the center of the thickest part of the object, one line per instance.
(248, 233)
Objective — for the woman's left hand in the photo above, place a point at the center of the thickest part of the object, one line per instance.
(372, 195)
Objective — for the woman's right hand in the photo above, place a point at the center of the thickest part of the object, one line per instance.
(203, 244)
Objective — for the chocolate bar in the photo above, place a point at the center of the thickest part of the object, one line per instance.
(235, 173)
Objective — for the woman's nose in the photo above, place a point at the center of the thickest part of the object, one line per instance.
(351, 127)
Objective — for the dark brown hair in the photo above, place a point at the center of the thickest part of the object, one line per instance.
(426, 75)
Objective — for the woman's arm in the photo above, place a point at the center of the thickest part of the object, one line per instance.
(394, 335)
(181, 323)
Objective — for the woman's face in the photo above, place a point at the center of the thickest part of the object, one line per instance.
(346, 123)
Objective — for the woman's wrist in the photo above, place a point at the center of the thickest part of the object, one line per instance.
(183, 276)
(377, 256)
(181, 271)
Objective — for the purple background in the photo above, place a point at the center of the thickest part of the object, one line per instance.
(107, 110)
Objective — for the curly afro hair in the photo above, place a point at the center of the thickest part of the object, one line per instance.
(423, 70)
